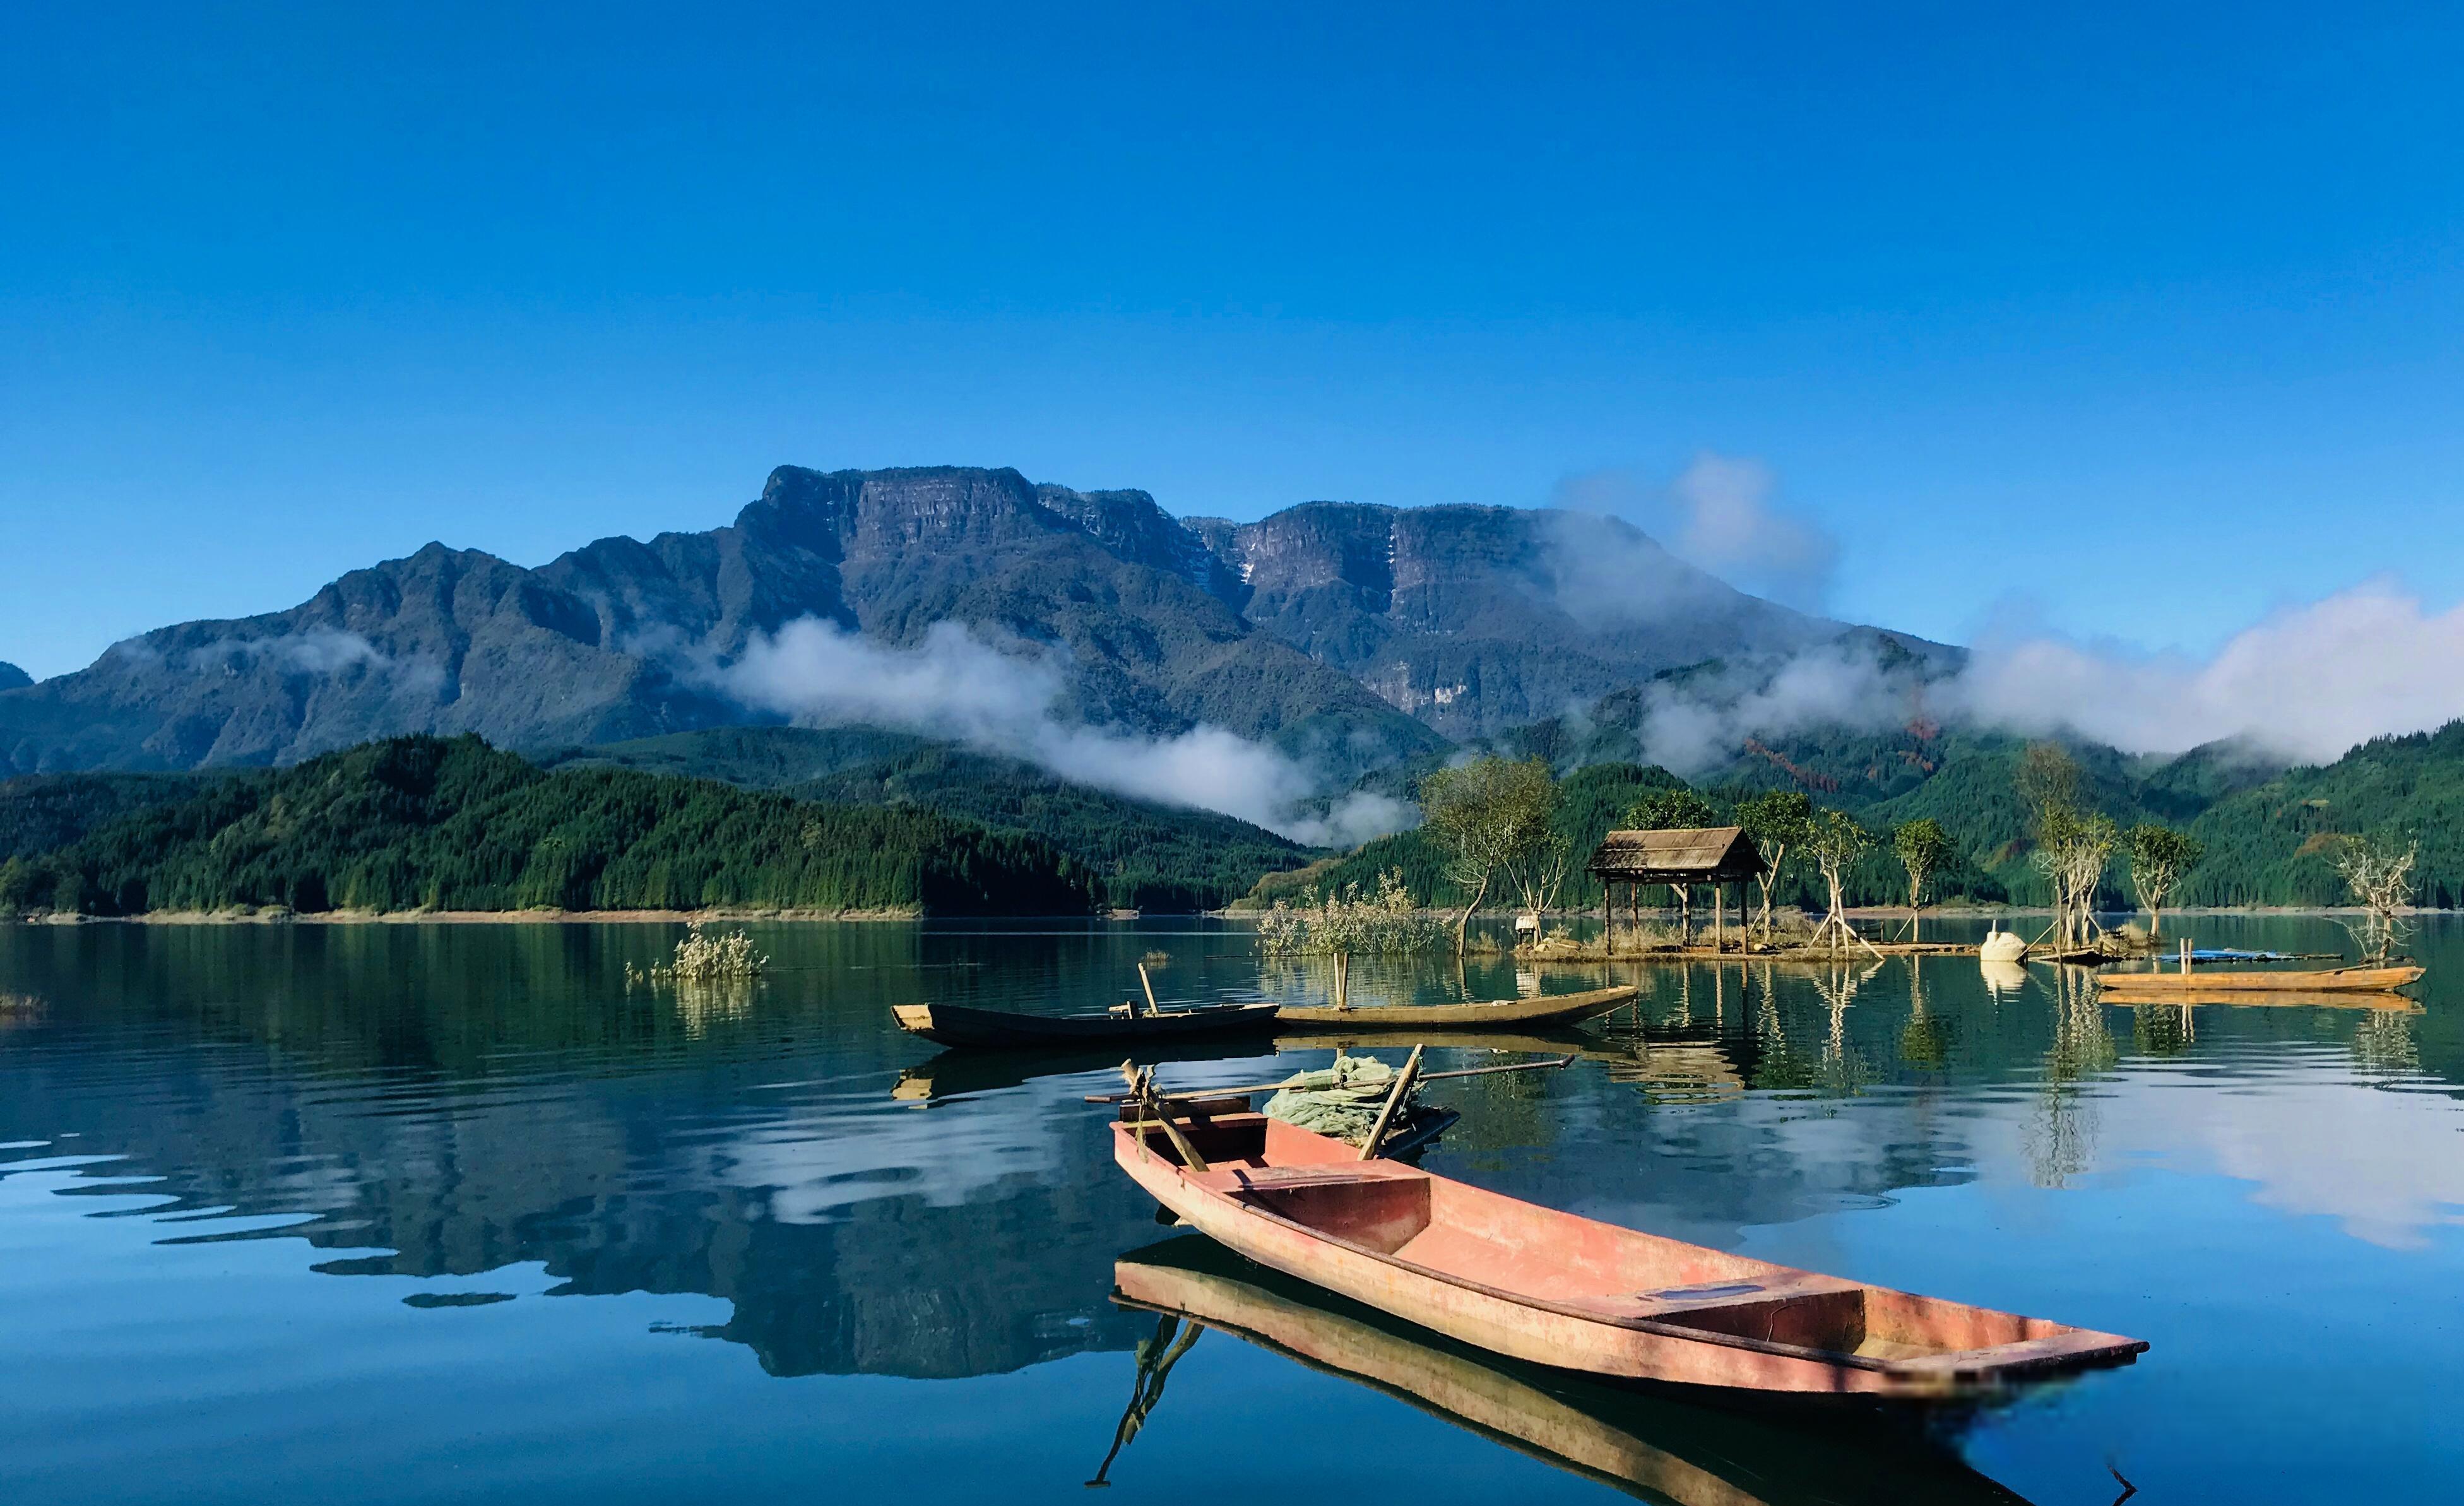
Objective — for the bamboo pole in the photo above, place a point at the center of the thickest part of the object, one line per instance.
(1394, 1100)
(1147, 984)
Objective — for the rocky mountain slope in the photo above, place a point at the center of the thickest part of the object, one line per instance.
(12, 677)
(1350, 636)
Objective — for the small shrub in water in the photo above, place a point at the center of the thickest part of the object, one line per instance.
(701, 956)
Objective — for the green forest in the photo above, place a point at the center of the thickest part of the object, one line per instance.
(427, 823)
(1147, 855)
(873, 821)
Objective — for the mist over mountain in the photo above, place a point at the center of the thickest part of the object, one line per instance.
(1244, 667)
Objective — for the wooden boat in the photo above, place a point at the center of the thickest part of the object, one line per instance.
(1548, 1009)
(1554, 1289)
(2257, 998)
(958, 1025)
(2228, 980)
(1655, 1445)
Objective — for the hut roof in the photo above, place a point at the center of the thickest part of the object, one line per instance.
(1693, 854)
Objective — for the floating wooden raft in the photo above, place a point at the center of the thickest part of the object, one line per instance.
(2230, 980)
(1548, 1009)
(1554, 1289)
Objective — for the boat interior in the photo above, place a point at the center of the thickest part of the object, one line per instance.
(1591, 1270)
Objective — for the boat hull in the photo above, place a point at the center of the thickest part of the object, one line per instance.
(956, 1024)
(1552, 1009)
(2339, 980)
(1556, 1290)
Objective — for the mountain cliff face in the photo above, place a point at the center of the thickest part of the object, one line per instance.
(1474, 619)
(1354, 634)
(12, 677)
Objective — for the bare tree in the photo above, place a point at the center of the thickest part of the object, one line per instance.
(1539, 872)
(1779, 822)
(2159, 858)
(1487, 816)
(2379, 875)
(2071, 853)
(1922, 847)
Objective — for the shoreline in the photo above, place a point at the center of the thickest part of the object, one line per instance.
(551, 917)
(462, 917)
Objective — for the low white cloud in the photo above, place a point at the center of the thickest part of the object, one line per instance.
(1695, 724)
(1722, 513)
(318, 651)
(2306, 683)
(1004, 699)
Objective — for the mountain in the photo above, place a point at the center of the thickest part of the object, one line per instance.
(620, 639)
(1475, 619)
(1350, 636)
(11, 678)
(2275, 843)
(1147, 855)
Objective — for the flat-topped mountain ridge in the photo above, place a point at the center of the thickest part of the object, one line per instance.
(1352, 634)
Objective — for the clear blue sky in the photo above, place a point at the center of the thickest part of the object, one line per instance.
(2148, 316)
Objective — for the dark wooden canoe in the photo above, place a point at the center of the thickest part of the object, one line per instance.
(1548, 1009)
(1553, 1289)
(2232, 980)
(1656, 1446)
(956, 1025)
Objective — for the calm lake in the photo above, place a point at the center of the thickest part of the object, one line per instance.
(449, 1213)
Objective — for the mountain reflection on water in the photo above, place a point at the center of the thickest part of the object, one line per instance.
(480, 1113)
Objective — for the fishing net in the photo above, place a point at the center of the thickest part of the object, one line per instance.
(1342, 1100)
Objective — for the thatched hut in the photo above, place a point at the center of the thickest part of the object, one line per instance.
(1681, 859)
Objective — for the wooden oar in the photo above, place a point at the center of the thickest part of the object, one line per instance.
(1142, 1091)
(1394, 1100)
(1183, 1095)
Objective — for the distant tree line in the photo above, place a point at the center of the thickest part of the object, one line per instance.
(429, 823)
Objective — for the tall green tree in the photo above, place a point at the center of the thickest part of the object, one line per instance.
(1488, 816)
(1779, 821)
(1922, 847)
(1671, 810)
(2159, 858)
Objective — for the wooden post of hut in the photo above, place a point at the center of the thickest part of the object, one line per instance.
(1679, 859)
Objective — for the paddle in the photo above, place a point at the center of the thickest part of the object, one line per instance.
(1394, 1100)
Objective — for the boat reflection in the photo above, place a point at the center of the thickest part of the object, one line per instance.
(2003, 979)
(956, 1073)
(1648, 1444)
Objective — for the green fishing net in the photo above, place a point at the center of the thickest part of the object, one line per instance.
(1341, 1100)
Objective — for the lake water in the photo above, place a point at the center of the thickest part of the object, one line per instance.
(448, 1213)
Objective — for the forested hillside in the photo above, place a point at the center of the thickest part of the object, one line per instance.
(2270, 836)
(1148, 855)
(2271, 845)
(422, 822)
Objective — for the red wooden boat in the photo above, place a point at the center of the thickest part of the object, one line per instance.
(1557, 1290)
